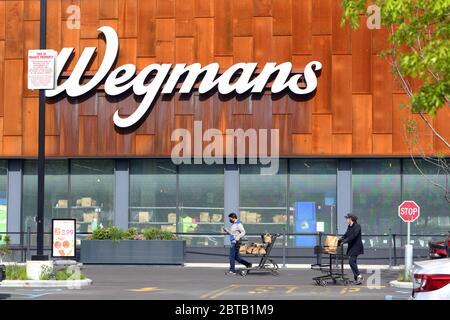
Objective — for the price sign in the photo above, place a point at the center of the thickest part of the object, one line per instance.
(63, 238)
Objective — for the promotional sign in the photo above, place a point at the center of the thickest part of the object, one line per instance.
(409, 211)
(41, 69)
(63, 237)
(3, 217)
(305, 221)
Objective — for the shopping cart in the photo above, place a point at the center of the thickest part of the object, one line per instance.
(333, 268)
(266, 264)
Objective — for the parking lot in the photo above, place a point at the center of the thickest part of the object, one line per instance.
(170, 282)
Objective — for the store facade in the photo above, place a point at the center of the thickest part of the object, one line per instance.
(341, 148)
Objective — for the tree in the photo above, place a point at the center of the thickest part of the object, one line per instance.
(419, 49)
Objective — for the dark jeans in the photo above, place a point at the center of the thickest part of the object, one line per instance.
(354, 265)
(234, 256)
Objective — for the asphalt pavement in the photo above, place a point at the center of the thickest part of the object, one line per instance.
(197, 283)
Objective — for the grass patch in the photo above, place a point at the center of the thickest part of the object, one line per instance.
(16, 272)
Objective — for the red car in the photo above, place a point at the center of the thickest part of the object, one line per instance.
(439, 249)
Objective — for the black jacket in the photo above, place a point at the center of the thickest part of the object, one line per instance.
(353, 237)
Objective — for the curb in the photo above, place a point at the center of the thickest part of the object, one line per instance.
(288, 266)
(71, 284)
(401, 285)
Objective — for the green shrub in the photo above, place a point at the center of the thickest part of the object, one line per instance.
(116, 234)
(16, 272)
(131, 233)
(158, 234)
(100, 234)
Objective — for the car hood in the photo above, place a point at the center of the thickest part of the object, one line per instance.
(438, 266)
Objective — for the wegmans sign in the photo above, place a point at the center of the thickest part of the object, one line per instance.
(239, 78)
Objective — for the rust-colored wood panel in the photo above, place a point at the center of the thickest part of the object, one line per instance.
(68, 143)
(382, 95)
(342, 144)
(12, 98)
(90, 19)
(281, 48)
(282, 17)
(70, 38)
(203, 111)
(184, 104)
(321, 134)
(204, 8)
(321, 22)
(128, 52)
(281, 105)
(301, 144)
(52, 146)
(87, 134)
(30, 126)
(54, 25)
(14, 30)
(184, 50)
(225, 62)
(12, 145)
(301, 121)
(165, 8)
(165, 52)
(109, 9)
(53, 118)
(184, 18)
(242, 105)
(322, 52)
(222, 114)
(342, 36)
(362, 123)
(380, 40)
(141, 63)
(184, 121)
(223, 27)
(262, 8)
(243, 49)
(361, 59)
(2, 76)
(31, 10)
(2, 20)
(204, 40)
(145, 144)
(127, 18)
(65, 12)
(262, 39)
(146, 39)
(283, 123)
(302, 28)
(299, 61)
(242, 17)
(165, 30)
(262, 111)
(164, 126)
(88, 107)
(441, 123)
(341, 92)
(400, 116)
(106, 132)
(1, 135)
(125, 142)
(424, 136)
(381, 144)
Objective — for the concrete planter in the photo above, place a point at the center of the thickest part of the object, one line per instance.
(133, 252)
(71, 284)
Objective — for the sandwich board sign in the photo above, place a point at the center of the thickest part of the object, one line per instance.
(63, 238)
(41, 69)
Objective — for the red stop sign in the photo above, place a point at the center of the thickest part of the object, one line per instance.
(409, 211)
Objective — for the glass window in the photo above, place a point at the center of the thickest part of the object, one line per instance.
(153, 194)
(3, 194)
(92, 193)
(201, 202)
(55, 195)
(376, 197)
(263, 206)
(426, 190)
(312, 195)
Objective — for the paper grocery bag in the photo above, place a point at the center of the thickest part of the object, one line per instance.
(243, 249)
(331, 243)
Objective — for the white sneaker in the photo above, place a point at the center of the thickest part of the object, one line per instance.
(359, 279)
(231, 273)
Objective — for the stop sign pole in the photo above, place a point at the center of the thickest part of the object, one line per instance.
(408, 211)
